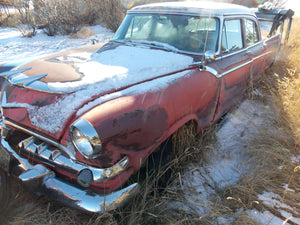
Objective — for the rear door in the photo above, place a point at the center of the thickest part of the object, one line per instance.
(255, 48)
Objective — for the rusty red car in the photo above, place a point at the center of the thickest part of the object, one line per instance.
(76, 125)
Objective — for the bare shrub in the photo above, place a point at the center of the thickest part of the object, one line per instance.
(13, 13)
(93, 15)
(27, 23)
(59, 16)
(68, 16)
(112, 13)
(4, 13)
(12, 20)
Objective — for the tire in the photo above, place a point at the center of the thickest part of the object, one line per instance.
(159, 164)
(165, 160)
(154, 170)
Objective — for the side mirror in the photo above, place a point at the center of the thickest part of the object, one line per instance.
(209, 56)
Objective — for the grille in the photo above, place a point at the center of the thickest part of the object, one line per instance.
(34, 147)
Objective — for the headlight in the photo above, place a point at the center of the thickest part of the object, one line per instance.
(85, 139)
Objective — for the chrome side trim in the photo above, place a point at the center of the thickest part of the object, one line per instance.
(235, 68)
(262, 55)
(53, 157)
(233, 53)
(245, 64)
(211, 70)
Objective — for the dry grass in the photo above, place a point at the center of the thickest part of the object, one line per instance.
(268, 155)
(289, 85)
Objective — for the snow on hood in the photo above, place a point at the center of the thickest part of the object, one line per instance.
(119, 67)
(106, 72)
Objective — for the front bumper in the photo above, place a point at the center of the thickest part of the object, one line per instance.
(43, 181)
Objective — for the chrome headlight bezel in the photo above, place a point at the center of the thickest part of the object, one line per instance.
(85, 139)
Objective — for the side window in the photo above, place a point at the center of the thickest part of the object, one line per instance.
(232, 36)
(251, 32)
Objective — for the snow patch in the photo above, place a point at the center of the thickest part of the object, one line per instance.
(225, 162)
(265, 217)
(15, 48)
(275, 201)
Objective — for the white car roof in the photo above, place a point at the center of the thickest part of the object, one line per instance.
(193, 7)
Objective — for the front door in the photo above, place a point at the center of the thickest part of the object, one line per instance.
(235, 65)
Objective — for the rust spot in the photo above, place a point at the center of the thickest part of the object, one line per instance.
(135, 130)
(128, 132)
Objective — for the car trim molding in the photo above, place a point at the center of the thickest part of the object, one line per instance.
(245, 64)
(235, 68)
(211, 70)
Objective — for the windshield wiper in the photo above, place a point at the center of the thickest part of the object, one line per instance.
(157, 44)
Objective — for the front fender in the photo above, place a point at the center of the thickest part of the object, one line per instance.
(129, 125)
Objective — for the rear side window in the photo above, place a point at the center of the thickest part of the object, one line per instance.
(232, 36)
(251, 32)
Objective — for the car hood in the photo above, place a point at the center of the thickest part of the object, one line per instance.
(78, 77)
(113, 66)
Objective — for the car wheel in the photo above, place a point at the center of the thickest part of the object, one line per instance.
(4, 190)
(159, 163)
(171, 152)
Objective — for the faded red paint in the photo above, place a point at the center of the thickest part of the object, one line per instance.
(30, 97)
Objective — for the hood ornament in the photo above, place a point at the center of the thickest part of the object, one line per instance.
(8, 74)
(25, 82)
(17, 78)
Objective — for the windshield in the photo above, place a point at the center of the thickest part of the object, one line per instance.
(184, 32)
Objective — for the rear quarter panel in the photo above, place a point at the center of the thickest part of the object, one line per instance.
(272, 47)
